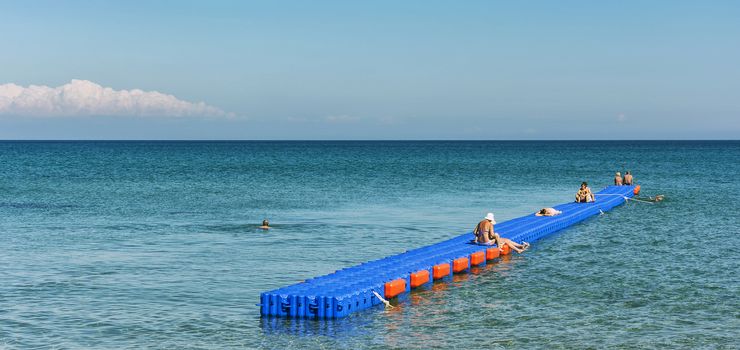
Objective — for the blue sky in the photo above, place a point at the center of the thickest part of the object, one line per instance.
(383, 69)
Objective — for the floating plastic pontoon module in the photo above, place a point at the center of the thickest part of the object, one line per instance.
(352, 289)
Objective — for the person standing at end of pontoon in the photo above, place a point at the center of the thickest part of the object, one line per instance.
(584, 194)
(618, 179)
(628, 178)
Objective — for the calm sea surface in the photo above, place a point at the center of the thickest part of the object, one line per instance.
(154, 244)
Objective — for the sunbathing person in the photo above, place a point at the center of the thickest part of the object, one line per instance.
(584, 194)
(548, 212)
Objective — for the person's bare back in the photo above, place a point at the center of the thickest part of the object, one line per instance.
(484, 230)
(548, 212)
(628, 178)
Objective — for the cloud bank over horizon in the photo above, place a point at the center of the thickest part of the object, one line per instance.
(80, 98)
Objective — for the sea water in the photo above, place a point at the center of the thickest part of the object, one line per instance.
(155, 244)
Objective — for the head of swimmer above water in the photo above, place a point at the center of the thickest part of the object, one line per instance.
(265, 222)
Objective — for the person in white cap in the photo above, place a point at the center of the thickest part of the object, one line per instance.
(484, 230)
(618, 179)
(484, 234)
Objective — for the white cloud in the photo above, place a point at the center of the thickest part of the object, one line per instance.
(621, 117)
(85, 98)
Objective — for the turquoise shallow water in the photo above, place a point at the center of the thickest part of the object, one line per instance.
(154, 244)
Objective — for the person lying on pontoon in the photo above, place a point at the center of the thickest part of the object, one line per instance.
(618, 179)
(484, 234)
(584, 194)
(548, 212)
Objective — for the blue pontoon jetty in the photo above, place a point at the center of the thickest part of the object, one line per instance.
(351, 289)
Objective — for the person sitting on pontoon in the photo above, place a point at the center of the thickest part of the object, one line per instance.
(584, 194)
(618, 179)
(484, 230)
(519, 248)
(548, 212)
(484, 234)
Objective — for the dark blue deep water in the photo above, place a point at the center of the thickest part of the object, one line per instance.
(154, 244)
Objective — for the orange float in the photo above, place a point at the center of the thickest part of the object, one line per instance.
(440, 271)
(419, 278)
(460, 264)
(505, 250)
(477, 258)
(492, 253)
(394, 288)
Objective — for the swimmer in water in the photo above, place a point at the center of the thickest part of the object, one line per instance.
(657, 198)
(265, 225)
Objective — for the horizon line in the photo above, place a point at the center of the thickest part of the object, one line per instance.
(350, 140)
